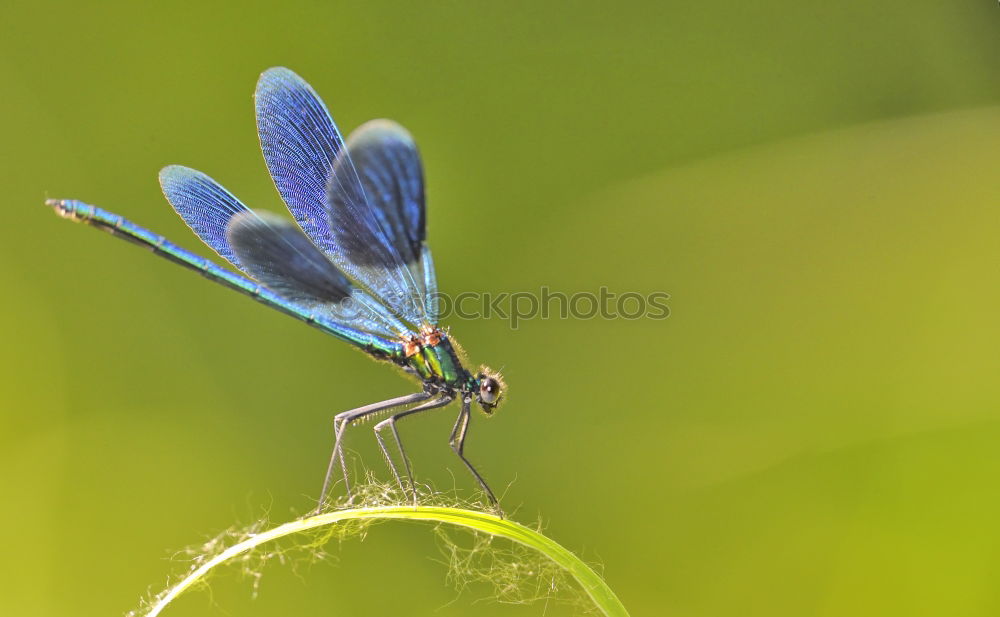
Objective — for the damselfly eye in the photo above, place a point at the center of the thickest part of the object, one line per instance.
(489, 390)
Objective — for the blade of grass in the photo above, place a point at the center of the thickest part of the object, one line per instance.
(604, 599)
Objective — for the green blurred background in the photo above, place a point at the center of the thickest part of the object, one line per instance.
(813, 431)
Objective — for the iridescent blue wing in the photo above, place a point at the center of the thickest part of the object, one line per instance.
(378, 219)
(300, 144)
(272, 251)
(204, 205)
(276, 253)
(368, 234)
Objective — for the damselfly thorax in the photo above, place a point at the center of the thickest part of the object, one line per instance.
(434, 359)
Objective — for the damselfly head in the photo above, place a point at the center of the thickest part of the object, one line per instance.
(491, 389)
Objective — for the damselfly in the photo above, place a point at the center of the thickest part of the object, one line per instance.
(355, 263)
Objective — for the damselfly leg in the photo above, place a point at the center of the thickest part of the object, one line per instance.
(391, 423)
(457, 443)
(340, 423)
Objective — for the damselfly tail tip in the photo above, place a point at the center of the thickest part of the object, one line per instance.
(61, 206)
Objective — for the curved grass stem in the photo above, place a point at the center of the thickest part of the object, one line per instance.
(595, 587)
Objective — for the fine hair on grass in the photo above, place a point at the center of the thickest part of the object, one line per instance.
(518, 562)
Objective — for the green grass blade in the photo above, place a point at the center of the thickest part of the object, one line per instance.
(595, 587)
